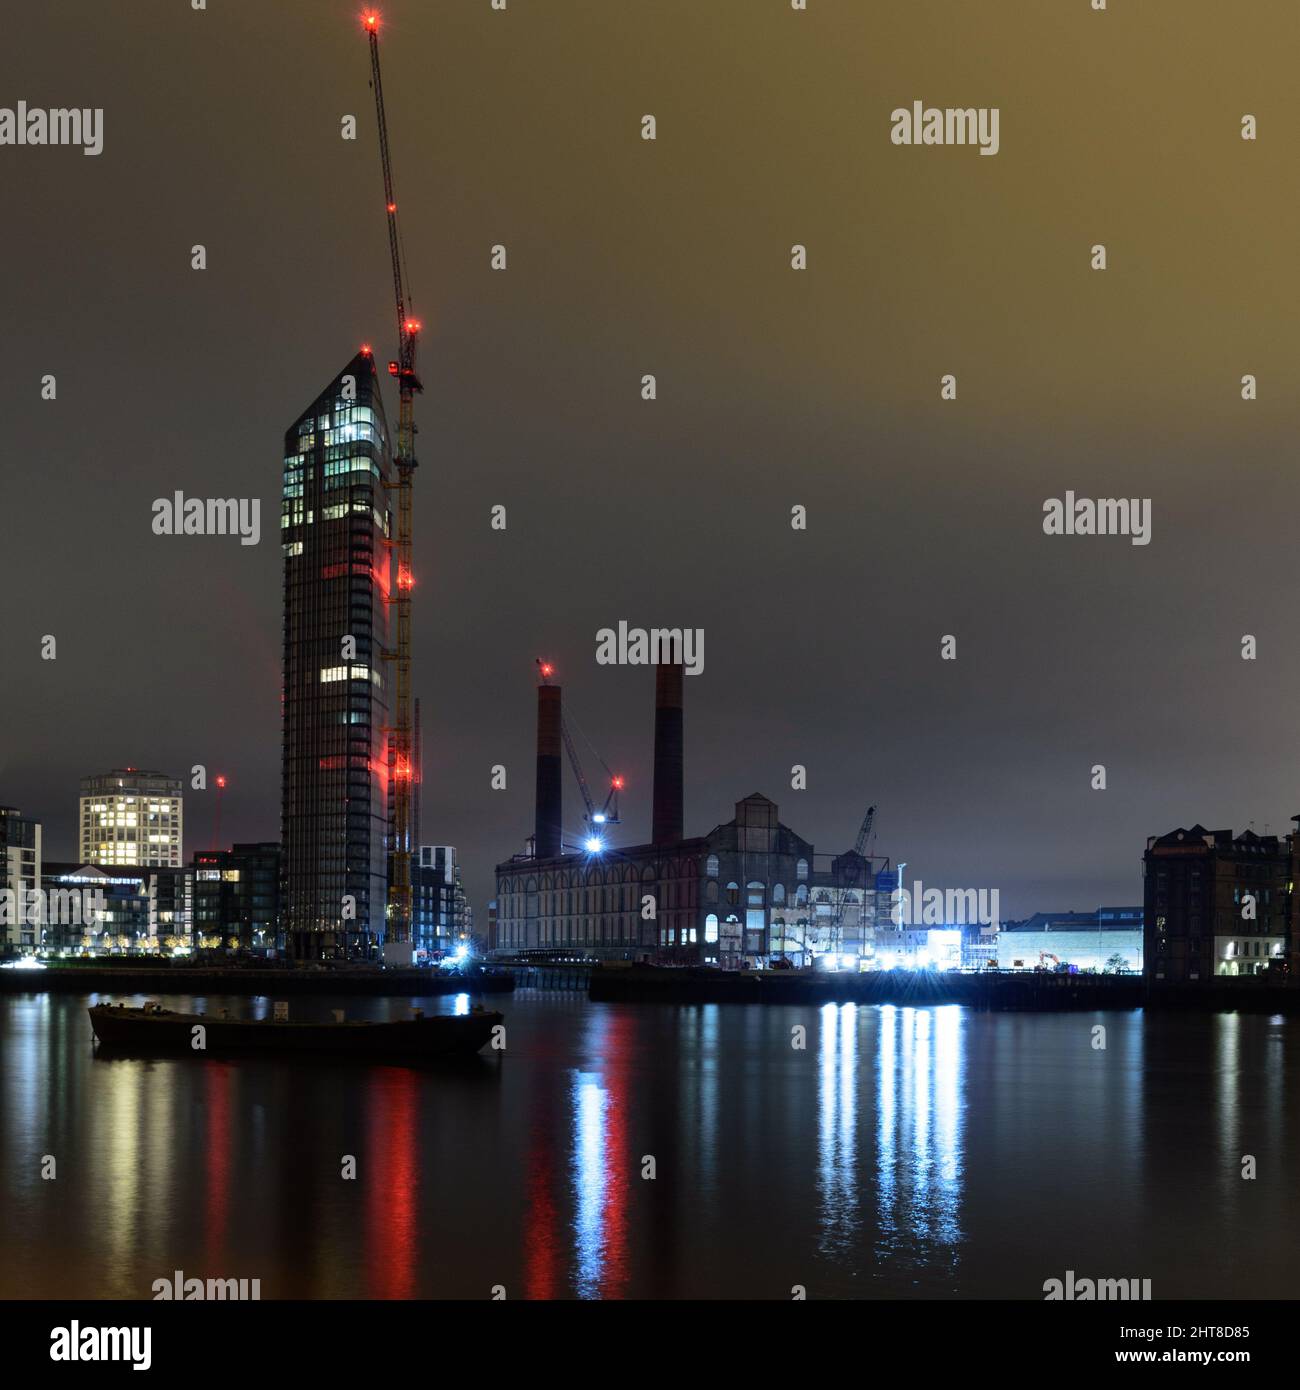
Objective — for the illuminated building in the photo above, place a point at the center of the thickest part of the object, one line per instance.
(237, 896)
(20, 875)
(131, 817)
(441, 918)
(1215, 903)
(121, 921)
(335, 525)
(1086, 940)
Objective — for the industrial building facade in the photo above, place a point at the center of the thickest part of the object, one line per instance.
(335, 532)
(749, 891)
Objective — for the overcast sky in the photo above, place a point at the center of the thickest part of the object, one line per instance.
(775, 388)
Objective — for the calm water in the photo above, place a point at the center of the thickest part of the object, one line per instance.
(930, 1152)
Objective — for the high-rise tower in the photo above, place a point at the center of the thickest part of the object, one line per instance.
(336, 527)
(131, 817)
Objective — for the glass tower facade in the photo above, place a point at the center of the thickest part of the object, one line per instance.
(335, 528)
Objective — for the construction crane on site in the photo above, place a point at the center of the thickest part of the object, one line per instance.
(608, 813)
(399, 654)
(867, 821)
(859, 846)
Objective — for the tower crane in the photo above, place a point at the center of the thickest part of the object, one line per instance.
(399, 654)
(851, 877)
(608, 813)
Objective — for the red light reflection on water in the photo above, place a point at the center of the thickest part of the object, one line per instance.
(392, 1182)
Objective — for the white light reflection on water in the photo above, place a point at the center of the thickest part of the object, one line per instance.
(918, 1131)
(589, 1101)
(837, 1111)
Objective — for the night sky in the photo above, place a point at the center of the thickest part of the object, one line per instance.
(776, 388)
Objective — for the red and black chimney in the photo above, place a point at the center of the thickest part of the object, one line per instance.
(666, 827)
(549, 792)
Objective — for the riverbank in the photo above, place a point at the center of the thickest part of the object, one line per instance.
(1037, 991)
(190, 979)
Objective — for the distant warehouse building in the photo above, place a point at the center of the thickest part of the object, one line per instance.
(1216, 903)
(1108, 939)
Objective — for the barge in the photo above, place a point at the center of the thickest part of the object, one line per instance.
(151, 1028)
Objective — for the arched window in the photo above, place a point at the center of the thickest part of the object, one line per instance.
(778, 893)
(801, 869)
(733, 893)
(711, 891)
(801, 894)
(711, 866)
(711, 928)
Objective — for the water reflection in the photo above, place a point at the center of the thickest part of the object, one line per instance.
(392, 1183)
(907, 1151)
(919, 1120)
(837, 1181)
(599, 1103)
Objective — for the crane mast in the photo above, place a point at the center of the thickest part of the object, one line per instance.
(399, 653)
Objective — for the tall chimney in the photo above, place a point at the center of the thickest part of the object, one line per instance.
(549, 797)
(667, 822)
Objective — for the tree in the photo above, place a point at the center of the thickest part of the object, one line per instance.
(1117, 965)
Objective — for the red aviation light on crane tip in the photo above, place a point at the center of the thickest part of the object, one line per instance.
(221, 781)
(547, 669)
(618, 784)
(367, 350)
(370, 20)
(412, 325)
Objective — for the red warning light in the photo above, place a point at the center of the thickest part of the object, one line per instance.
(405, 579)
(366, 350)
(618, 784)
(221, 781)
(370, 19)
(547, 669)
(412, 326)
(392, 207)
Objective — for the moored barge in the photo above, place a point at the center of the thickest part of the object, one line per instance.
(152, 1028)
